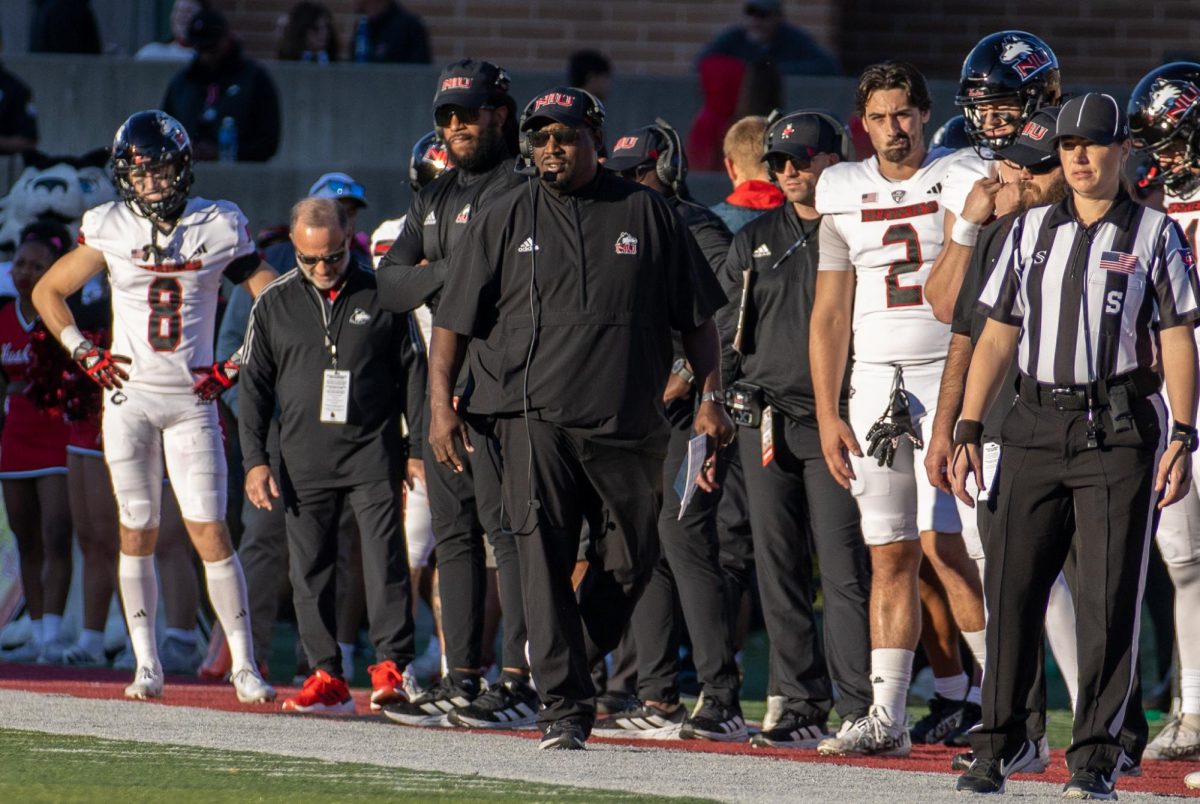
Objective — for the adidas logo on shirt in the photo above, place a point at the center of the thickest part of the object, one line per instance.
(527, 246)
(762, 251)
(431, 219)
(935, 189)
(465, 215)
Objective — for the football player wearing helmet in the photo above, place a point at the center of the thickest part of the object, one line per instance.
(165, 254)
(1164, 122)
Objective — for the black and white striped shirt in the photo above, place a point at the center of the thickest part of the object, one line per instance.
(1133, 268)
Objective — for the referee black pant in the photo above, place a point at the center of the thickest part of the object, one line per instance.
(312, 531)
(464, 508)
(795, 504)
(688, 568)
(556, 480)
(1047, 474)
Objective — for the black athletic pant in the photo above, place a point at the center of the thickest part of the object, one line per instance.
(689, 566)
(464, 508)
(795, 504)
(1048, 473)
(555, 480)
(312, 531)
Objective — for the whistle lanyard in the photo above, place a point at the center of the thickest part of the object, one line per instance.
(331, 337)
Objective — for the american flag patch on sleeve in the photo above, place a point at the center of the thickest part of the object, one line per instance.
(1118, 261)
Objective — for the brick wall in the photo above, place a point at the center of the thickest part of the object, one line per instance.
(640, 36)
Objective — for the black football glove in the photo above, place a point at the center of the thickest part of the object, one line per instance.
(894, 425)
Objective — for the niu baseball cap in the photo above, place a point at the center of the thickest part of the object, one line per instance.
(636, 148)
(1034, 145)
(206, 30)
(338, 186)
(471, 84)
(1096, 117)
(567, 105)
(801, 134)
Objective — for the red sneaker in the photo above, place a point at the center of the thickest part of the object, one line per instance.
(388, 685)
(322, 693)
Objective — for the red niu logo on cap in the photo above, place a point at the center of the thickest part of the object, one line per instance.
(625, 144)
(787, 131)
(554, 99)
(1034, 132)
(458, 82)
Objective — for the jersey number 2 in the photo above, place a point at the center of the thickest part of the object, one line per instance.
(166, 297)
(903, 295)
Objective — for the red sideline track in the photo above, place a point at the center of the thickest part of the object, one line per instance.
(1163, 778)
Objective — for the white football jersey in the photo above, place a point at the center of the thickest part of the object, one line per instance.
(381, 240)
(165, 304)
(893, 230)
(966, 167)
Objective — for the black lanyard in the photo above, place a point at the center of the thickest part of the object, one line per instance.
(325, 312)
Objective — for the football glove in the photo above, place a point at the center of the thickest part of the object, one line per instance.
(215, 379)
(886, 433)
(101, 365)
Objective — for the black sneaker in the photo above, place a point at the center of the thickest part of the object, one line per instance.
(945, 719)
(643, 722)
(567, 734)
(988, 775)
(962, 762)
(1091, 784)
(971, 715)
(510, 704)
(431, 707)
(714, 721)
(792, 730)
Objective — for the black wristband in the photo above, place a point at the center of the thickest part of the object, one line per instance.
(968, 431)
(1186, 434)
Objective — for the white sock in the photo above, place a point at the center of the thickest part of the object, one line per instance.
(139, 593)
(1189, 690)
(347, 660)
(1060, 633)
(227, 591)
(51, 625)
(92, 641)
(184, 634)
(975, 695)
(35, 629)
(953, 688)
(977, 643)
(891, 673)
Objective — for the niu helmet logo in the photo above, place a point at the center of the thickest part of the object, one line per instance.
(457, 82)
(1173, 99)
(625, 144)
(1035, 132)
(554, 99)
(1023, 56)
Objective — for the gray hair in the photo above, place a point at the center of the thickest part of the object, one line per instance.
(320, 213)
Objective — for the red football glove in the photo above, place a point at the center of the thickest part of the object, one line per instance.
(215, 379)
(101, 365)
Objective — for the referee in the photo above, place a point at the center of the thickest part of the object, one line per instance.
(1101, 295)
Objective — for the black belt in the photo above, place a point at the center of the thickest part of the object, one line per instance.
(1137, 384)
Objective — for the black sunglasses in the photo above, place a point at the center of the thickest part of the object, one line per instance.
(1040, 169)
(778, 162)
(563, 136)
(465, 115)
(332, 258)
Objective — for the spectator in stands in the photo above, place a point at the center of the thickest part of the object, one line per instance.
(590, 70)
(765, 32)
(64, 26)
(753, 191)
(221, 83)
(309, 34)
(393, 33)
(720, 83)
(177, 49)
(18, 118)
(762, 89)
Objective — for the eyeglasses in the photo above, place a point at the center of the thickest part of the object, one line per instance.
(778, 162)
(332, 258)
(1040, 169)
(563, 136)
(636, 173)
(465, 115)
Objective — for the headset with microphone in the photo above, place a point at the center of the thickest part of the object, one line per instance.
(845, 149)
(593, 115)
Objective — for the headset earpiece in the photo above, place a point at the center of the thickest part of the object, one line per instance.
(671, 165)
(845, 150)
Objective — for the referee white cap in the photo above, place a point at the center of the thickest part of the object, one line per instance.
(1095, 116)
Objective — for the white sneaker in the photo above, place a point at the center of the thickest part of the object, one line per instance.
(1192, 780)
(16, 633)
(1177, 740)
(250, 686)
(873, 735)
(147, 684)
(774, 712)
(31, 651)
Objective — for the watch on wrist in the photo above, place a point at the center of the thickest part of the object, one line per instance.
(681, 368)
(1186, 435)
(717, 396)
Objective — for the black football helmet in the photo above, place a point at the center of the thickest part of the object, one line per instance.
(1009, 65)
(153, 141)
(429, 159)
(1163, 112)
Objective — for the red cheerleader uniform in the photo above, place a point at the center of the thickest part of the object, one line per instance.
(34, 442)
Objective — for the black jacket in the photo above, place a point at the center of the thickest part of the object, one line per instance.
(240, 89)
(775, 340)
(396, 35)
(284, 359)
(612, 271)
(433, 226)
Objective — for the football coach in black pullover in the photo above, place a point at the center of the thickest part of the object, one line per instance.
(341, 370)
(571, 285)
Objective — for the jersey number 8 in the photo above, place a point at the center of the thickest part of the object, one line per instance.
(903, 295)
(166, 297)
